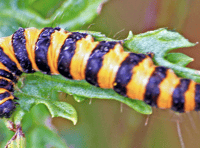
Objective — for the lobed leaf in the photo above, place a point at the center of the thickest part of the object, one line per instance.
(179, 59)
(35, 92)
(160, 42)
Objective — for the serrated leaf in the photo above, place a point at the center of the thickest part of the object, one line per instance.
(179, 59)
(67, 14)
(35, 92)
(56, 109)
(160, 42)
(62, 109)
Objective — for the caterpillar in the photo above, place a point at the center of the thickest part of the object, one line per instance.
(104, 64)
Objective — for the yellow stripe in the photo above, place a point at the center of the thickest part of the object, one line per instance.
(3, 67)
(136, 87)
(6, 79)
(31, 36)
(6, 44)
(84, 48)
(111, 63)
(6, 99)
(167, 87)
(2, 90)
(57, 40)
(189, 104)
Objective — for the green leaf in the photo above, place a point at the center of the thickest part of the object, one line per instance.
(38, 119)
(160, 42)
(179, 59)
(36, 92)
(67, 14)
(62, 109)
(18, 116)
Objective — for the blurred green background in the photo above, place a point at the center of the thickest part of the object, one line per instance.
(101, 124)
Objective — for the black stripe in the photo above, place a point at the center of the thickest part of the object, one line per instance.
(197, 97)
(95, 60)
(8, 75)
(67, 52)
(152, 88)
(6, 84)
(41, 49)
(9, 63)
(125, 72)
(19, 46)
(179, 95)
(4, 95)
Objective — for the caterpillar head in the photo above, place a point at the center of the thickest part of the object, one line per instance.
(7, 108)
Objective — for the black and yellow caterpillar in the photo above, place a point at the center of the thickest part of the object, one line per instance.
(104, 64)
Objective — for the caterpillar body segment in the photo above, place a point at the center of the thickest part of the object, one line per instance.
(104, 64)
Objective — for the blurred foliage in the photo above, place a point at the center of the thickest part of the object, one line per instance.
(68, 14)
